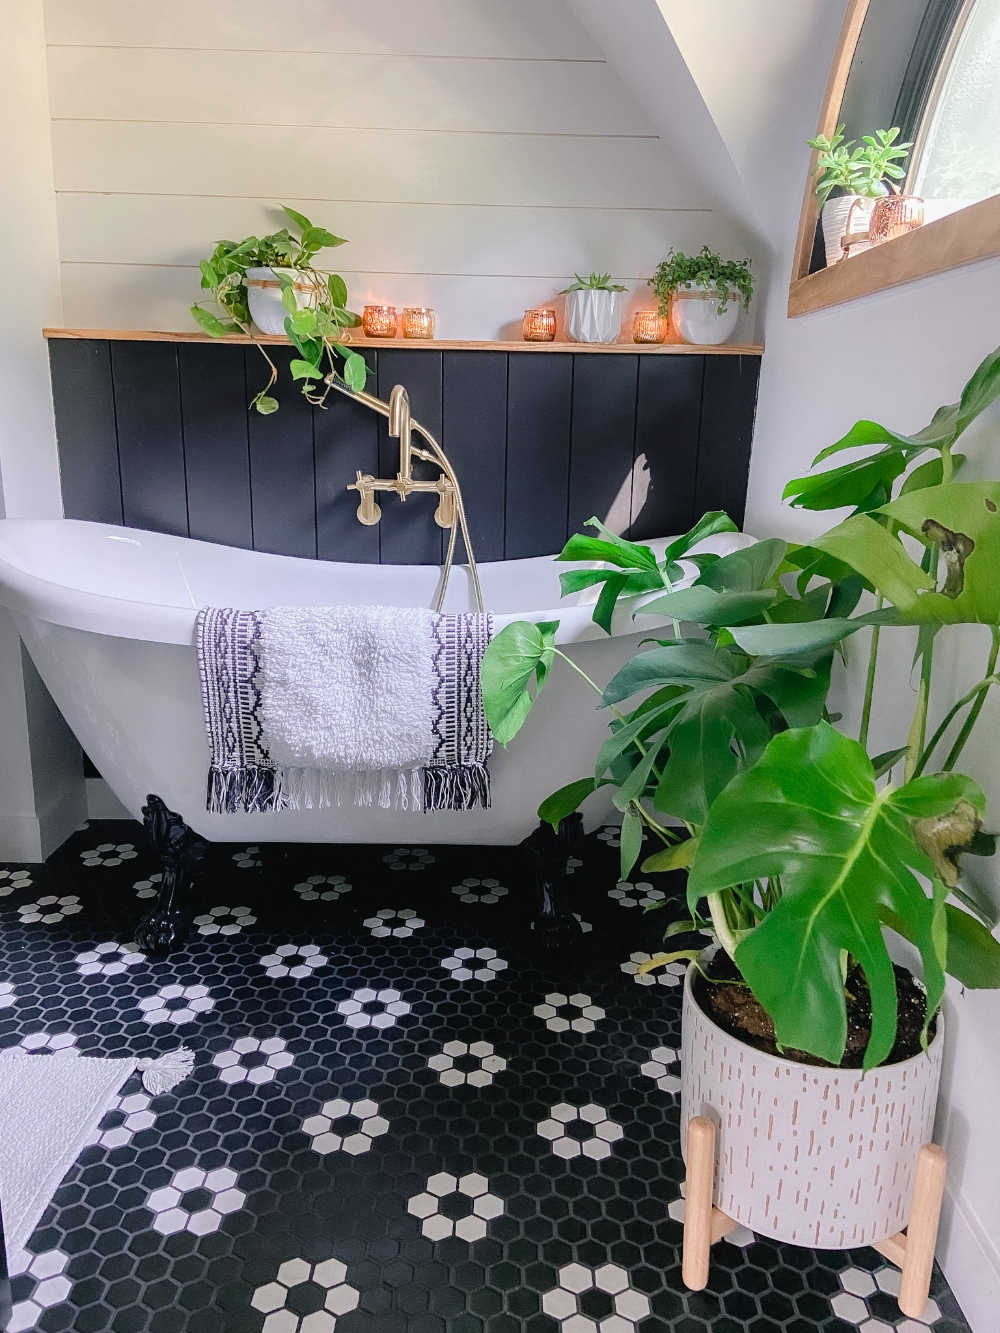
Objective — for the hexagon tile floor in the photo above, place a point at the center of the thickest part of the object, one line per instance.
(403, 1118)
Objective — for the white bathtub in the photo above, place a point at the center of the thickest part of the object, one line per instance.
(108, 616)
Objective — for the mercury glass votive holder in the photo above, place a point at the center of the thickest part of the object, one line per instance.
(894, 215)
(648, 327)
(539, 326)
(418, 322)
(379, 321)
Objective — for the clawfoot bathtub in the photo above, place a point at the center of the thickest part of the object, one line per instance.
(108, 616)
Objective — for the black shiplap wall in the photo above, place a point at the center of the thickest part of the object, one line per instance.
(157, 435)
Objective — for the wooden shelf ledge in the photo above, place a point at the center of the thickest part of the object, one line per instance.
(417, 345)
(960, 238)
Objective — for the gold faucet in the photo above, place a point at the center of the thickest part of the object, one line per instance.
(450, 512)
(401, 427)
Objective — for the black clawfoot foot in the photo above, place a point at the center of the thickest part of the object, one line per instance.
(548, 852)
(181, 852)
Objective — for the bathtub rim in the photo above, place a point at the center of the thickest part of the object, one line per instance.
(29, 594)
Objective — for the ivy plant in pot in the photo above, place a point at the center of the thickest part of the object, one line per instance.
(849, 179)
(593, 313)
(702, 294)
(269, 283)
(812, 1056)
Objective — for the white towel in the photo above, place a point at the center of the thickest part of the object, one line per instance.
(346, 698)
(305, 706)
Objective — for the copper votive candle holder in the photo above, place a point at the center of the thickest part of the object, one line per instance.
(379, 321)
(539, 326)
(648, 326)
(895, 215)
(418, 322)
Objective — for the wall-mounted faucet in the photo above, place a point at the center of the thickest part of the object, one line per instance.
(401, 426)
(450, 512)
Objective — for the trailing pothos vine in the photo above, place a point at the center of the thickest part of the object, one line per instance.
(314, 324)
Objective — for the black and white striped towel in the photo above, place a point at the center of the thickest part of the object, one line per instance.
(305, 706)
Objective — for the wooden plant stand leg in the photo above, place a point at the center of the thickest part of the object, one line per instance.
(703, 1223)
(913, 1251)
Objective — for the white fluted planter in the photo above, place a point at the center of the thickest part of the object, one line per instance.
(264, 296)
(809, 1156)
(593, 315)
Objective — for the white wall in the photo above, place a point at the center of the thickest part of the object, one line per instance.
(42, 798)
(894, 357)
(474, 153)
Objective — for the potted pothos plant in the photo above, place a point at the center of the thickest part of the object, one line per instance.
(849, 179)
(593, 313)
(702, 294)
(269, 283)
(802, 851)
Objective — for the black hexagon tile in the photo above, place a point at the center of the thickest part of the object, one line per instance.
(403, 1117)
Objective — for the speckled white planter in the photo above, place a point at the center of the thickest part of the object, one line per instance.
(809, 1156)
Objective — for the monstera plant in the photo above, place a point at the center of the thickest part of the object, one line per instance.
(803, 849)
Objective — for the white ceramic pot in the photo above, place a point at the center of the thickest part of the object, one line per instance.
(809, 1156)
(593, 316)
(695, 315)
(835, 216)
(264, 296)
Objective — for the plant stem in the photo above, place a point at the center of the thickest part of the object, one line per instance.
(597, 689)
(977, 707)
(580, 672)
(720, 924)
(947, 465)
(866, 711)
(665, 833)
(980, 690)
(918, 727)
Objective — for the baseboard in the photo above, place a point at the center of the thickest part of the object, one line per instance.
(32, 838)
(102, 803)
(971, 1263)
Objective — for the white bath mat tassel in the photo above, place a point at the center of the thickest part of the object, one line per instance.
(166, 1071)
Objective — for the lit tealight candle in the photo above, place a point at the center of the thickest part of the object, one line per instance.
(539, 326)
(648, 327)
(418, 322)
(379, 321)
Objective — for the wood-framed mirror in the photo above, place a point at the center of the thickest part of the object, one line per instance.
(932, 69)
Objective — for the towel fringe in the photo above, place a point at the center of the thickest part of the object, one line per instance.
(456, 786)
(254, 788)
(320, 788)
(166, 1071)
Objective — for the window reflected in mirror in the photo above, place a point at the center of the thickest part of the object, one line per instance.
(919, 119)
(957, 156)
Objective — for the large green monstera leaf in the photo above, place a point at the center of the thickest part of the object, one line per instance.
(963, 520)
(867, 482)
(704, 722)
(809, 814)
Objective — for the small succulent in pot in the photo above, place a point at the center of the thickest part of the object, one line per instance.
(592, 309)
(850, 177)
(270, 282)
(597, 282)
